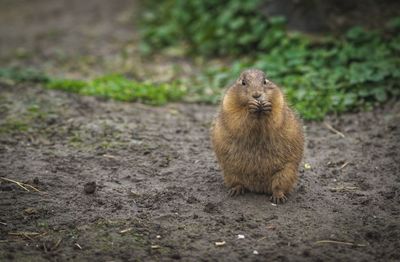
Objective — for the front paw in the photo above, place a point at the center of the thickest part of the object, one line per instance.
(266, 106)
(236, 190)
(278, 197)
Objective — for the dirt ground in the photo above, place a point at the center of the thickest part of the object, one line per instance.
(159, 193)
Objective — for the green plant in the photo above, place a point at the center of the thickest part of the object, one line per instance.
(336, 77)
(13, 126)
(110, 86)
(356, 70)
(208, 27)
(17, 75)
(120, 88)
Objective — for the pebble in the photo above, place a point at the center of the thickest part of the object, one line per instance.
(90, 187)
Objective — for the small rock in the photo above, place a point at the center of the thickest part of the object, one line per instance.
(255, 252)
(176, 256)
(90, 187)
(192, 200)
(210, 208)
(133, 194)
(311, 144)
(306, 253)
(221, 243)
(30, 211)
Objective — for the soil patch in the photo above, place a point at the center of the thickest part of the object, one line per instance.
(159, 193)
(155, 190)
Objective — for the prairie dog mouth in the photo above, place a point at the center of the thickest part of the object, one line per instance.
(259, 107)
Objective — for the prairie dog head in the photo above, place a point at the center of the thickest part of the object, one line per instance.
(254, 92)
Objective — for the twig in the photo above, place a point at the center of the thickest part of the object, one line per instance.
(2, 223)
(79, 246)
(339, 242)
(27, 235)
(343, 188)
(15, 182)
(20, 184)
(24, 233)
(57, 244)
(42, 234)
(261, 238)
(125, 230)
(344, 165)
(334, 130)
(109, 156)
(34, 188)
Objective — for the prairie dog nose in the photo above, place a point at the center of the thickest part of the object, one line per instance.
(256, 95)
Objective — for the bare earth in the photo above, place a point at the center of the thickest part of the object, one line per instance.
(159, 193)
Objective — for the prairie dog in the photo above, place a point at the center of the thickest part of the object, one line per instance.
(257, 138)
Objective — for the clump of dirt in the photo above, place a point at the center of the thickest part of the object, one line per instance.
(90, 187)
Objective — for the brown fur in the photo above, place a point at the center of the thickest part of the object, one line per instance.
(258, 142)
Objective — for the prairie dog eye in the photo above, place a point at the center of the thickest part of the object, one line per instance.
(265, 81)
(243, 82)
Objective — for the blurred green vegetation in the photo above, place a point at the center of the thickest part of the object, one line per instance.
(319, 74)
(22, 75)
(356, 70)
(116, 87)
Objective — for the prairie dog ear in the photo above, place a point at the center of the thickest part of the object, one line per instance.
(269, 84)
(240, 79)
